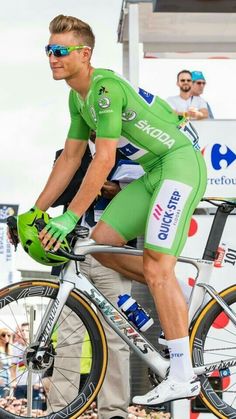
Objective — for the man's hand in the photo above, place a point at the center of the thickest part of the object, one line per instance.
(110, 189)
(12, 233)
(57, 229)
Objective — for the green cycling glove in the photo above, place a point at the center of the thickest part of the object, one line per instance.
(62, 225)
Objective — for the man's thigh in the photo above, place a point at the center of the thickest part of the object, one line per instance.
(127, 213)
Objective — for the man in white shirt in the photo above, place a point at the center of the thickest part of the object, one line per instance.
(185, 104)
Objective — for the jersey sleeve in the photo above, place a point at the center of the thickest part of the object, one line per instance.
(109, 100)
(78, 130)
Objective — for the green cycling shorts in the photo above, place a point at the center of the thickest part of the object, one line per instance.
(160, 204)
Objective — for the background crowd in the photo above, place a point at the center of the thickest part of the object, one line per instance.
(189, 102)
(14, 375)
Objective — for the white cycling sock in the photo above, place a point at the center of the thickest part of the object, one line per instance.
(180, 361)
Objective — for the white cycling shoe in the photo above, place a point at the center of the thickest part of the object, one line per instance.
(170, 390)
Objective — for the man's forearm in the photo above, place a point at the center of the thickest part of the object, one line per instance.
(91, 186)
(61, 175)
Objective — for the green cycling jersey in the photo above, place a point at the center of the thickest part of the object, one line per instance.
(159, 204)
(145, 125)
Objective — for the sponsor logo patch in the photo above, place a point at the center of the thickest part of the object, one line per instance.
(156, 133)
(102, 90)
(166, 213)
(148, 97)
(128, 115)
(104, 102)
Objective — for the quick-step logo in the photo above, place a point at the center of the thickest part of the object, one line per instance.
(166, 213)
(170, 216)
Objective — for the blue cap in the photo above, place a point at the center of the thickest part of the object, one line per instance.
(197, 75)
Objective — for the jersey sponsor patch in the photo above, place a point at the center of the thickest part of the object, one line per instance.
(104, 102)
(102, 90)
(148, 97)
(130, 150)
(166, 213)
(128, 115)
(156, 133)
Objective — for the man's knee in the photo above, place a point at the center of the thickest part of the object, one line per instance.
(158, 268)
(105, 234)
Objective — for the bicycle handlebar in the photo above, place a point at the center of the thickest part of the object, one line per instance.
(218, 201)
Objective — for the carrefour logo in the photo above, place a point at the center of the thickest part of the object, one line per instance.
(221, 155)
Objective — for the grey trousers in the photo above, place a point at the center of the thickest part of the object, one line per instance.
(114, 396)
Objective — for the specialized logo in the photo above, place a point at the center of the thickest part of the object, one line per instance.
(104, 102)
(218, 155)
(128, 115)
(156, 133)
(166, 213)
(102, 90)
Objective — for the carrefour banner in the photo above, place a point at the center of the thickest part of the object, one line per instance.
(218, 145)
(8, 273)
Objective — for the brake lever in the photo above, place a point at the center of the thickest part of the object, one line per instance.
(12, 228)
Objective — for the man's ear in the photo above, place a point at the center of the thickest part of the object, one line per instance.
(86, 54)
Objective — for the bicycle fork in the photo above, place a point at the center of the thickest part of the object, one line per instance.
(49, 321)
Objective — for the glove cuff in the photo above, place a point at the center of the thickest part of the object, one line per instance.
(73, 216)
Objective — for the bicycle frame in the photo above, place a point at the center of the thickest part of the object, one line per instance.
(72, 279)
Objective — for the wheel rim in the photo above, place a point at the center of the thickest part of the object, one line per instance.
(213, 338)
(48, 399)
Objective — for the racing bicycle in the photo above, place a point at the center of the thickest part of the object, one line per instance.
(73, 299)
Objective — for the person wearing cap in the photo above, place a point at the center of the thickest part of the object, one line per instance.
(185, 104)
(198, 85)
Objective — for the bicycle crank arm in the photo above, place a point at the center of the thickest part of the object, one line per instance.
(214, 294)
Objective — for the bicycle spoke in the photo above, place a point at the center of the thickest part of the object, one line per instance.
(75, 327)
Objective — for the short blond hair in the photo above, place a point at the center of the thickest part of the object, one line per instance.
(82, 30)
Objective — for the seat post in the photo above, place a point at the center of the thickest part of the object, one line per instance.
(217, 228)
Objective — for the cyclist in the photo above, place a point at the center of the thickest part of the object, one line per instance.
(160, 203)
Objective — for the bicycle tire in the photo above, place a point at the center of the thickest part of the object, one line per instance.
(212, 326)
(14, 302)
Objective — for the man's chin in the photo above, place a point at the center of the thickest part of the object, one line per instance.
(57, 77)
(57, 74)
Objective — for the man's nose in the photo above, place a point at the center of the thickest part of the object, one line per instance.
(52, 58)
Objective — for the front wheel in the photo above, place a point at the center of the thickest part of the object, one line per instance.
(213, 339)
(72, 372)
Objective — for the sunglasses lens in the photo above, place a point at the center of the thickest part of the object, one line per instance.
(56, 50)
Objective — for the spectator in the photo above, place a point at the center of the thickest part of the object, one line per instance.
(114, 396)
(185, 104)
(5, 361)
(198, 85)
